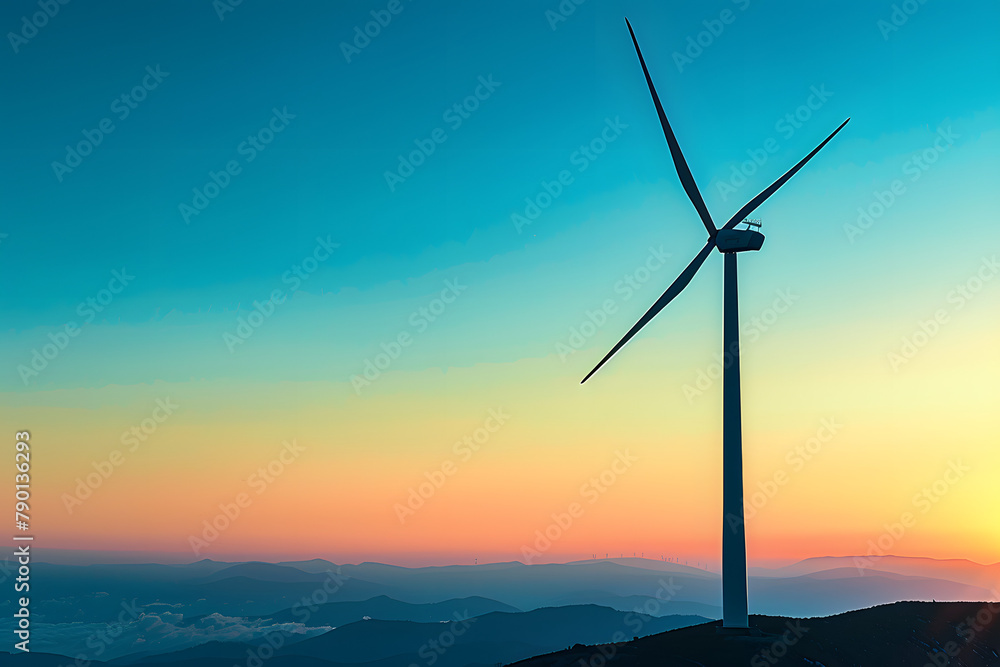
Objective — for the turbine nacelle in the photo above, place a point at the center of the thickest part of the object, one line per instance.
(738, 240)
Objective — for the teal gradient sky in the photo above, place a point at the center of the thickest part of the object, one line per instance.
(324, 176)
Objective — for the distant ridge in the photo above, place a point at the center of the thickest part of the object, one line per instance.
(954, 569)
(264, 572)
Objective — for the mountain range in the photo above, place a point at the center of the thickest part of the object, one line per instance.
(377, 614)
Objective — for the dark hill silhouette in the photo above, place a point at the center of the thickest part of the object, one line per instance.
(904, 634)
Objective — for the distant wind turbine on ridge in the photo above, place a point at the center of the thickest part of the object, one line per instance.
(727, 240)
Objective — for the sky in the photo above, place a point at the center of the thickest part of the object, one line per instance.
(280, 288)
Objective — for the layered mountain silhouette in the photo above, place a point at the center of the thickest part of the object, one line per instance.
(903, 634)
(317, 612)
(954, 569)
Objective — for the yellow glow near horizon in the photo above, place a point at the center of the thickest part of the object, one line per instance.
(361, 459)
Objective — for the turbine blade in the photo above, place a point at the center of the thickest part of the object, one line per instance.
(759, 199)
(675, 288)
(687, 180)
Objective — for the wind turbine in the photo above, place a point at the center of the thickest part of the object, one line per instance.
(729, 241)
